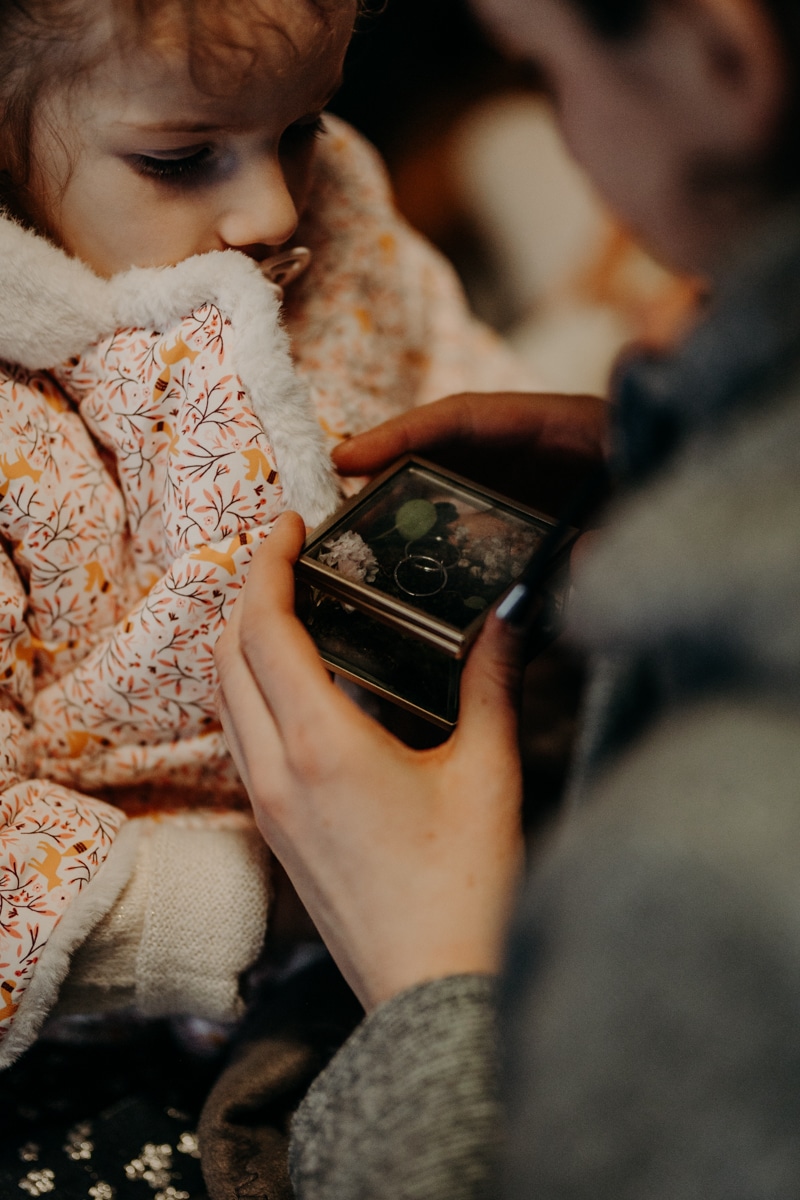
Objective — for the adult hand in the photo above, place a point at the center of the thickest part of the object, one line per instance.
(537, 448)
(406, 860)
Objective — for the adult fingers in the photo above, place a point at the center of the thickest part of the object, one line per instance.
(283, 659)
(537, 448)
(245, 717)
(490, 691)
(464, 419)
(562, 424)
(417, 429)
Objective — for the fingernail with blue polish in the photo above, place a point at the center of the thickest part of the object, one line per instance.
(516, 607)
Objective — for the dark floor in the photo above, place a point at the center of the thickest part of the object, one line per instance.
(110, 1115)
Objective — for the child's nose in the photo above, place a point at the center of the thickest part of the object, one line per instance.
(260, 210)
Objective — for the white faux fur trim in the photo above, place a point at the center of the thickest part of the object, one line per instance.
(74, 927)
(52, 306)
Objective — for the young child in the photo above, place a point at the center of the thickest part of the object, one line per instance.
(159, 409)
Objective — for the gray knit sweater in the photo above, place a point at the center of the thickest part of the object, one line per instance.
(649, 1009)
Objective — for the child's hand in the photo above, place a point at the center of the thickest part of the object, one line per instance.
(405, 860)
(534, 447)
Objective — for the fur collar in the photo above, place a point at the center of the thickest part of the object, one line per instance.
(53, 306)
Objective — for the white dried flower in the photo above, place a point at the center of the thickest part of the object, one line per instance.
(350, 555)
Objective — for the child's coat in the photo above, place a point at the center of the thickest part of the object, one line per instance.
(152, 427)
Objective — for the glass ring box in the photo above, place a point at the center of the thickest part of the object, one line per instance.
(399, 581)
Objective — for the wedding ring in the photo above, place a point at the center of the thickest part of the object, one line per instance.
(420, 575)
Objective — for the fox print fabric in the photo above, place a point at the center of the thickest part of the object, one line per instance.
(129, 548)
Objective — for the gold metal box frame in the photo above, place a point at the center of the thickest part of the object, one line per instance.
(446, 641)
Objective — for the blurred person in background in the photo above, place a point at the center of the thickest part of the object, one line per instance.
(645, 1003)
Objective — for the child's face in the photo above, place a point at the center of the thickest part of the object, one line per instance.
(652, 114)
(139, 167)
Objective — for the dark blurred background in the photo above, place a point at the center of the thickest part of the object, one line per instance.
(414, 65)
(415, 68)
(478, 166)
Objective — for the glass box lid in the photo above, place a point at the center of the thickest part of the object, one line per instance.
(425, 551)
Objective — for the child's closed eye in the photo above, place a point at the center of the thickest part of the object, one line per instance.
(176, 167)
(302, 132)
(188, 166)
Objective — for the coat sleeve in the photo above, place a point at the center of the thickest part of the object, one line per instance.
(167, 912)
(158, 914)
(121, 566)
(53, 843)
(408, 1108)
(201, 485)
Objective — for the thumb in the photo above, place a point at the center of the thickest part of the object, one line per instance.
(492, 683)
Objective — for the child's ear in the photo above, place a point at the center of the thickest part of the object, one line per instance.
(724, 67)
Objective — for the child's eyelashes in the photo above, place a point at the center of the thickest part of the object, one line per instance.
(302, 132)
(184, 167)
(179, 167)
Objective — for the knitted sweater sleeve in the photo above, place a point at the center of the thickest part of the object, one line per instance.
(408, 1106)
(189, 920)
